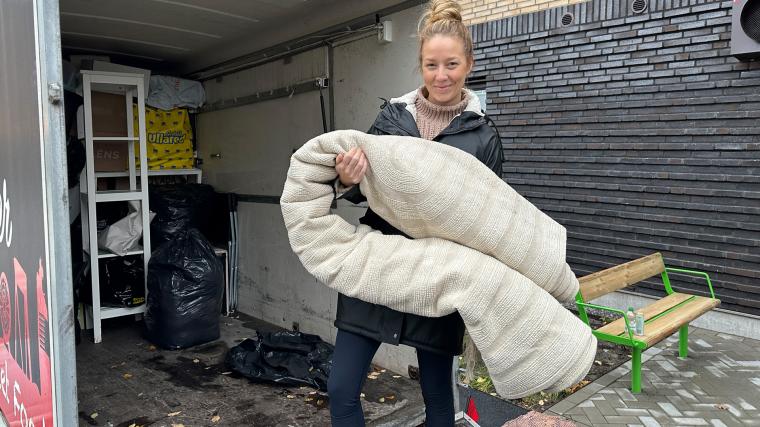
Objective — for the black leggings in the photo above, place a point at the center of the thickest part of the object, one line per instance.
(351, 359)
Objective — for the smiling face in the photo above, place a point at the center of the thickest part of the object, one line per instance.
(445, 67)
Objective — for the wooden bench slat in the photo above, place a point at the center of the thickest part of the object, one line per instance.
(618, 326)
(603, 282)
(666, 325)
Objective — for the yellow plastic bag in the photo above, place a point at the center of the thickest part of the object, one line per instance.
(170, 138)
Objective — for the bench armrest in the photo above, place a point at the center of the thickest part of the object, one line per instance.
(613, 310)
(686, 271)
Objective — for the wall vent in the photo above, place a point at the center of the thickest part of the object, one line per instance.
(639, 6)
(745, 29)
(567, 19)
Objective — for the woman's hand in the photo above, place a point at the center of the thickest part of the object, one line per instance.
(351, 166)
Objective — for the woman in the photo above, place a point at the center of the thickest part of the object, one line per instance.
(441, 110)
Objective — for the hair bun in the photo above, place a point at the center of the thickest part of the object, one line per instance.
(444, 10)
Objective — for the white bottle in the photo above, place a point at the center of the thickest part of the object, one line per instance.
(631, 319)
(638, 328)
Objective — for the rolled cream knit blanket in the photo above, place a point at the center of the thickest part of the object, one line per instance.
(479, 248)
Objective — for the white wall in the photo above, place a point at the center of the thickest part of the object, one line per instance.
(303, 67)
(256, 142)
(366, 70)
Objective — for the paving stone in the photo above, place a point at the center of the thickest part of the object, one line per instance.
(690, 421)
(594, 416)
(670, 409)
(605, 408)
(649, 422)
(621, 419)
(580, 419)
(625, 394)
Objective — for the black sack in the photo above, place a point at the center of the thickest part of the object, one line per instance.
(122, 281)
(185, 285)
(288, 358)
(178, 208)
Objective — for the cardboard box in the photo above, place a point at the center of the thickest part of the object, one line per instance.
(109, 115)
(111, 156)
(109, 118)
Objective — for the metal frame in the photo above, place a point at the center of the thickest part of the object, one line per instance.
(53, 144)
(131, 85)
(637, 346)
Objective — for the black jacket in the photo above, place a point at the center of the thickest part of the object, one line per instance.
(469, 132)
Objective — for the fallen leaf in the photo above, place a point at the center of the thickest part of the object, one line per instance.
(598, 362)
(94, 415)
(382, 399)
(541, 402)
(196, 360)
(312, 392)
(382, 371)
(480, 380)
(127, 376)
(173, 414)
(133, 425)
(215, 419)
(391, 397)
(320, 402)
(290, 396)
(722, 406)
(308, 399)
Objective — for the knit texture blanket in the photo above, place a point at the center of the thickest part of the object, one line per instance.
(479, 248)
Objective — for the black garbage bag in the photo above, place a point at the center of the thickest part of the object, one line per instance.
(288, 358)
(178, 208)
(122, 281)
(185, 285)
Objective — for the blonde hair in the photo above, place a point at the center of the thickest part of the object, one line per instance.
(444, 17)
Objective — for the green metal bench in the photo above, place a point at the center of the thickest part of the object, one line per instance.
(662, 318)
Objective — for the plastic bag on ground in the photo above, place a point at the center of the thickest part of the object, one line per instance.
(185, 285)
(288, 358)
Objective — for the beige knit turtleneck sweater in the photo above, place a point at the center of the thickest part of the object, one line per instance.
(433, 118)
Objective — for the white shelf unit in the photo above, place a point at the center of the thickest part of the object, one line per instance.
(160, 172)
(131, 85)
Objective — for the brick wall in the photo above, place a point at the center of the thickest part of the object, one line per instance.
(476, 11)
(639, 133)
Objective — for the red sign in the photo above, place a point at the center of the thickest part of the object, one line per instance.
(25, 385)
